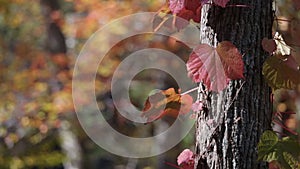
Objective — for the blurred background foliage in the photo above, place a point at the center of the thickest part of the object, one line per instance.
(39, 43)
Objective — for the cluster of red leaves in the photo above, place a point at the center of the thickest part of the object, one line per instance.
(215, 67)
(166, 103)
(186, 9)
(183, 11)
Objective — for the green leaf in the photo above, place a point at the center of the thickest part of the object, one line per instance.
(291, 145)
(265, 146)
(285, 151)
(289, 158)
(279, 74)
(271, 156)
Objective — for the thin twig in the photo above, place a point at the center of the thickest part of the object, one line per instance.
(286, 128)
(189, 91)
(160, 25)
(236, 5)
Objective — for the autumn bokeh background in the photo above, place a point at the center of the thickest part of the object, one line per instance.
(39, 43)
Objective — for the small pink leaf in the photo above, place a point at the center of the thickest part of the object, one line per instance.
(197, 106)
(185, 156)
(176, 5)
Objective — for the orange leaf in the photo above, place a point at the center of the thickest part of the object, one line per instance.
(166, 103)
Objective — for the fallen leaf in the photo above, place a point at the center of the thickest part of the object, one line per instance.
(166, 103)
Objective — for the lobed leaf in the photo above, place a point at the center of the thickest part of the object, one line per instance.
(215, 66)
(281, 73)
(265, 146)
(166, 103)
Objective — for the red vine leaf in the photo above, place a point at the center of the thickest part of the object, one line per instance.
(166, 103)
(183, 10)
(192, 5)
(269, 45)
(231, 59)
(186, 159)
(215, 66)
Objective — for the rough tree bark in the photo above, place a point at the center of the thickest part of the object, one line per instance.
(240, 113)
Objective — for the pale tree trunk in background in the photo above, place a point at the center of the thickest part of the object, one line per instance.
(242, 112)
(56, 48)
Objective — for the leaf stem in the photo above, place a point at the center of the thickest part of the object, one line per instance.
(160, 25)
(286, 128)
(237, 5)
(286, 20)
(189, 91)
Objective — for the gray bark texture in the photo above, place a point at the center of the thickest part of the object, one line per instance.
(228, 131)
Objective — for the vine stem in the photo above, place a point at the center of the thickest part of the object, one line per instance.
(237, 5)
(284, 127)
(189, 91)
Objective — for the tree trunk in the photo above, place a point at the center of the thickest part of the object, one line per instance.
(242, 112)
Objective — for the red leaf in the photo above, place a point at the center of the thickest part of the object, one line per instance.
(231, 59)
(186, 159)
(176, 5)
(166, 103)
(215, 67)
(197, 17)
(192, 5)
(197, 106)
(269, 45)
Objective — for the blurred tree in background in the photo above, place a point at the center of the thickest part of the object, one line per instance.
(39, 43)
